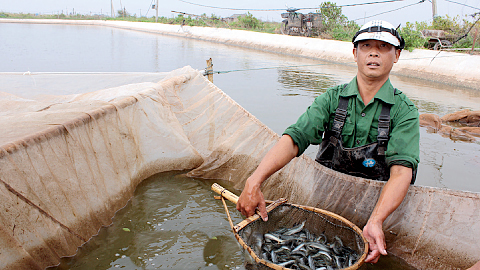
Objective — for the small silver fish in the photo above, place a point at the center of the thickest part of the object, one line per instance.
(274, 257)
(311, 262)
(295, 229)
(297, 248)
(323, 254)
(273, 238)
(287, 263)
(318, 246)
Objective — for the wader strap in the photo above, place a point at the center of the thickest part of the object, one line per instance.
(384, 127)
(340, 116)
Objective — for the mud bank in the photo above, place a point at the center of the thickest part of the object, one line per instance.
(446, 67)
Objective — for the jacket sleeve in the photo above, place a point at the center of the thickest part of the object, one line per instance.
(404, 144)
(310, 125)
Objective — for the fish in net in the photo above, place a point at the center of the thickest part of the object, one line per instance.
(297, 237)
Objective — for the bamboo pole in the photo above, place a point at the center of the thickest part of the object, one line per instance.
(225, 193)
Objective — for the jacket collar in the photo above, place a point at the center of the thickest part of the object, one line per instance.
(385, 94)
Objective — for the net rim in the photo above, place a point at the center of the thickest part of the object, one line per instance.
(225, 194)
(241, 225)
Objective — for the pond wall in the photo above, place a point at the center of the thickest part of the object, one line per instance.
(67, 164)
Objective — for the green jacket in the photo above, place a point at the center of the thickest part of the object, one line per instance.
(362, 122)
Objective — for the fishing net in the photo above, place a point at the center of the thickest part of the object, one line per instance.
(69, 162)
(320, 226)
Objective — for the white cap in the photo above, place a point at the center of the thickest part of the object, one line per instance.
(379, 30)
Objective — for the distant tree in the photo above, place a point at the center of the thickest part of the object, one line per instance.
(413, 37)
(248, 21)
(123, 13)
(336, 25)
(332, 15)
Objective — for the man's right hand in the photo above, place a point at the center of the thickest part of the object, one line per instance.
(252, 199)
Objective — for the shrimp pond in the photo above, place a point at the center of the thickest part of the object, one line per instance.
(173, 222)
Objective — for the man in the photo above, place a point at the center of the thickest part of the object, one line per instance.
(366, 128)
(475, 266)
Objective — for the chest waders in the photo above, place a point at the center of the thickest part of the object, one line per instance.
(367, 161)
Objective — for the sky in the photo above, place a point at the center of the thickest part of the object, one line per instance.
(408, 10)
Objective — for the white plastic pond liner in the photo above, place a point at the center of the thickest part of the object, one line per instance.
(68, 163)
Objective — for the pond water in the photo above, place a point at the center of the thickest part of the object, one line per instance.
(173, 222)
(191, 229)
(274, 88)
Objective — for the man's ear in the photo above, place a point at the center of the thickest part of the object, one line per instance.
(355, 54)
(397, 55)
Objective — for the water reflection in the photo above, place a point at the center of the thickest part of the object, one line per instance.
(426, 106)
(432, 97)
(277, 97)
(218, 249)
(298, 81)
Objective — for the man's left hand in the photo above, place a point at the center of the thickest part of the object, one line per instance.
(376, 241)
(390, 198)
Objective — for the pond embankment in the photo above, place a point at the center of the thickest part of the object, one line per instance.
(459, 69)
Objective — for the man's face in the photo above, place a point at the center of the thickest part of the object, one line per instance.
(375, 58)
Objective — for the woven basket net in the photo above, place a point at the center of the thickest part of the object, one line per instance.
(285, 215)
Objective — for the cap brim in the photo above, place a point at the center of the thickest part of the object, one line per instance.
(382, 36)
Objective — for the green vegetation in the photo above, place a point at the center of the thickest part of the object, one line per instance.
(248, 22)
(457, 32)
(413, 37)
(335, 24)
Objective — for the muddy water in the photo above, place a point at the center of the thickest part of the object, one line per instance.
(173, 222)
